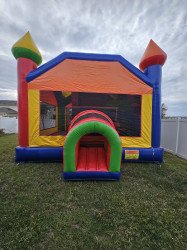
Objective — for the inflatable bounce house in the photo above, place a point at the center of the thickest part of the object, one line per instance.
(90, 111)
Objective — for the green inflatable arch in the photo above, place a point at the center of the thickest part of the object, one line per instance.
(92, 127)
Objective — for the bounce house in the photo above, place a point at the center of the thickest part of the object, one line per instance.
(89, 111)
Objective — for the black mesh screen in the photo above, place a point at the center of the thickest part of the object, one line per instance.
(124, 110)
(47, 116)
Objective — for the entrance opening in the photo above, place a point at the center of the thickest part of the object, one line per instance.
(92, 144)
(93, 153)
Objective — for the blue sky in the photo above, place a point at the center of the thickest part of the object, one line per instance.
(105, 26)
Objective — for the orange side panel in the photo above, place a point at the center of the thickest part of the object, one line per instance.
(90, 76)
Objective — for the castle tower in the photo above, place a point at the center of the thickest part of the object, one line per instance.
(28, 57)
(151, 63)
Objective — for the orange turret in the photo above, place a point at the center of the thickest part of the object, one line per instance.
(152, 55)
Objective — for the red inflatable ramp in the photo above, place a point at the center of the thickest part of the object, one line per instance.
(92, 159)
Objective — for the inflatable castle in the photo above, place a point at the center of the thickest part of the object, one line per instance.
(89, 111)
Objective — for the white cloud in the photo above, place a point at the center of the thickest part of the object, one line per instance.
(108, 26)
(8, 94)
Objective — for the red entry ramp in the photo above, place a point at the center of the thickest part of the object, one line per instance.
(92, 159)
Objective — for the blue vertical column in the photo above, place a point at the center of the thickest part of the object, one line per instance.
(154, 72)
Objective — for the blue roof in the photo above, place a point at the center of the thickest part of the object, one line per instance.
(91, 57)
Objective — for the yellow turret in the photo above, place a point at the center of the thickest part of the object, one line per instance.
(25, 47)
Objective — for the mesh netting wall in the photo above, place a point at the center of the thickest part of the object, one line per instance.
(124, 110)
(47, 116)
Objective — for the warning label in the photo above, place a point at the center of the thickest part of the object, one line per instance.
(131, 154)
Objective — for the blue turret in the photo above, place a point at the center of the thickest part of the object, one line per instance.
(151, 63)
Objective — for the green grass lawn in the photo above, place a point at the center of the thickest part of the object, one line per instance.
(145, 210)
